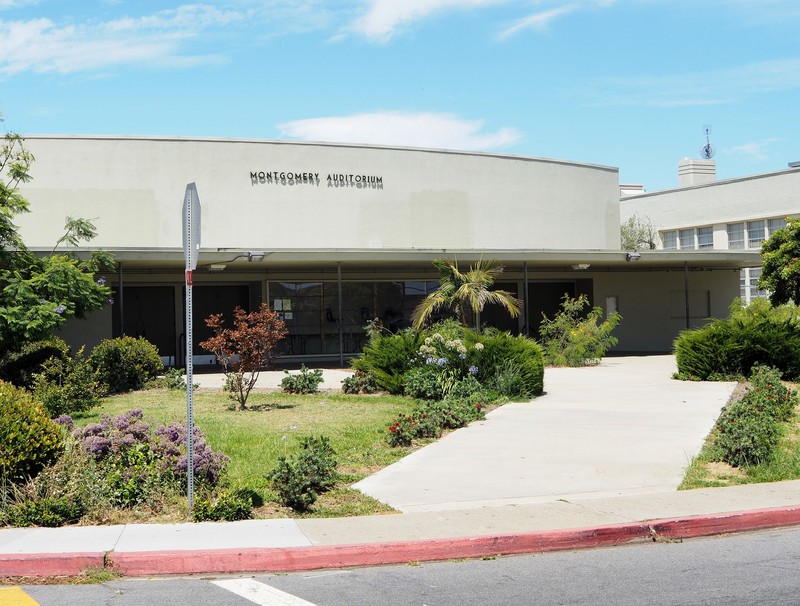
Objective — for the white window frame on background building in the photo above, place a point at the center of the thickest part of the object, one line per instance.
(754, 234)
(689, 238)
(742, 235)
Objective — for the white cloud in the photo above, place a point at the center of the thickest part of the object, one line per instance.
(43, 46)
(384, 17)
(5, 4)
(537, 21)
(433, 130)
(755, 150)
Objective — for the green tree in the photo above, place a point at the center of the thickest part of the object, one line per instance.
(458, 291)
(39, 294)
(780, 264)
(637, 233)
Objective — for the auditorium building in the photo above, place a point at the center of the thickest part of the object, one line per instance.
(333, 236)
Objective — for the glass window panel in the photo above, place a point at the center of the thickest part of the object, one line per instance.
(686, 238)
(670, 239)
(755, 234)
(735, 235)
(744, 291)
(774, 225)
(705, 237)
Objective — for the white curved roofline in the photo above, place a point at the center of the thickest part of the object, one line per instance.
(162, 138)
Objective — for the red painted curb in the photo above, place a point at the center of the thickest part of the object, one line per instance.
(372, 554)
(49, 564)
(722, 523)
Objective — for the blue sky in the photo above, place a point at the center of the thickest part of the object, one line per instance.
(625, 83)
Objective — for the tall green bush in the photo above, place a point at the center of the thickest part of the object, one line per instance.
(126, 363)
(513, 366)
(758, 333)
(67, 386)
(574, 337)
(29, 439)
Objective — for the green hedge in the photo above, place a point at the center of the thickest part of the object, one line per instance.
(756, 334)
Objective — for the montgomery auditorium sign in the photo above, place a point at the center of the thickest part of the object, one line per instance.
(310, 178)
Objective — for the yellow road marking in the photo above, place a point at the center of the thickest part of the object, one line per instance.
(14, 596)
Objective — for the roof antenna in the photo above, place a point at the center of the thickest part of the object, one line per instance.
(707, 151)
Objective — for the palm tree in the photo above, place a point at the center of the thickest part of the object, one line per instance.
(458, 290)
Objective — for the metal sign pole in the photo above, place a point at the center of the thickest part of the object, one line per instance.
(191, 248)
(189, 395)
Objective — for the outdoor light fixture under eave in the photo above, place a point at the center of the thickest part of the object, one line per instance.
(633, 256)
(581, 266)
(253, 256)
(217, 267)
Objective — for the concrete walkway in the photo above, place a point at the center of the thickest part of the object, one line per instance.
(621, 428)
(594, 461)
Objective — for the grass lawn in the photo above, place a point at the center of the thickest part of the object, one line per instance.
(706, 470)
(255, 438)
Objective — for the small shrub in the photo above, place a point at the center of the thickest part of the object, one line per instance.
(454, 413)
(513, 366)
(67, 385)
(300, 478)
(29, 439)
(48, 511)
(388, 357)
(246, 349)
(575, 338)
(766, 386)
(423, 383)
(360, 382)
(444, 360)
(172, 379)
(126, 363)
(19, 367)
(306, 381)
(747, 434)
(748, 430)
(402, 431)
(229, 505)
(62, 493)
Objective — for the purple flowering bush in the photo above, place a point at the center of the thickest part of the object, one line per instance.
(140, 463)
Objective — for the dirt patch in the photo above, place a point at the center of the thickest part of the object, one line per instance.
(723, 473)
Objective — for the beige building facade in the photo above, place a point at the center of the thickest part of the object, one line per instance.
(333, 236)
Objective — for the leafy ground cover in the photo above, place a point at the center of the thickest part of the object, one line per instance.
(707, 470)
(273, 426)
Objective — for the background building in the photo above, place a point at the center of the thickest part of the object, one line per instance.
(706, 214)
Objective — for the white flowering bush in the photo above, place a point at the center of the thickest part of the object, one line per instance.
(441, 363)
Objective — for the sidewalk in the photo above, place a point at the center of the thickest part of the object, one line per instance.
(594, 461)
